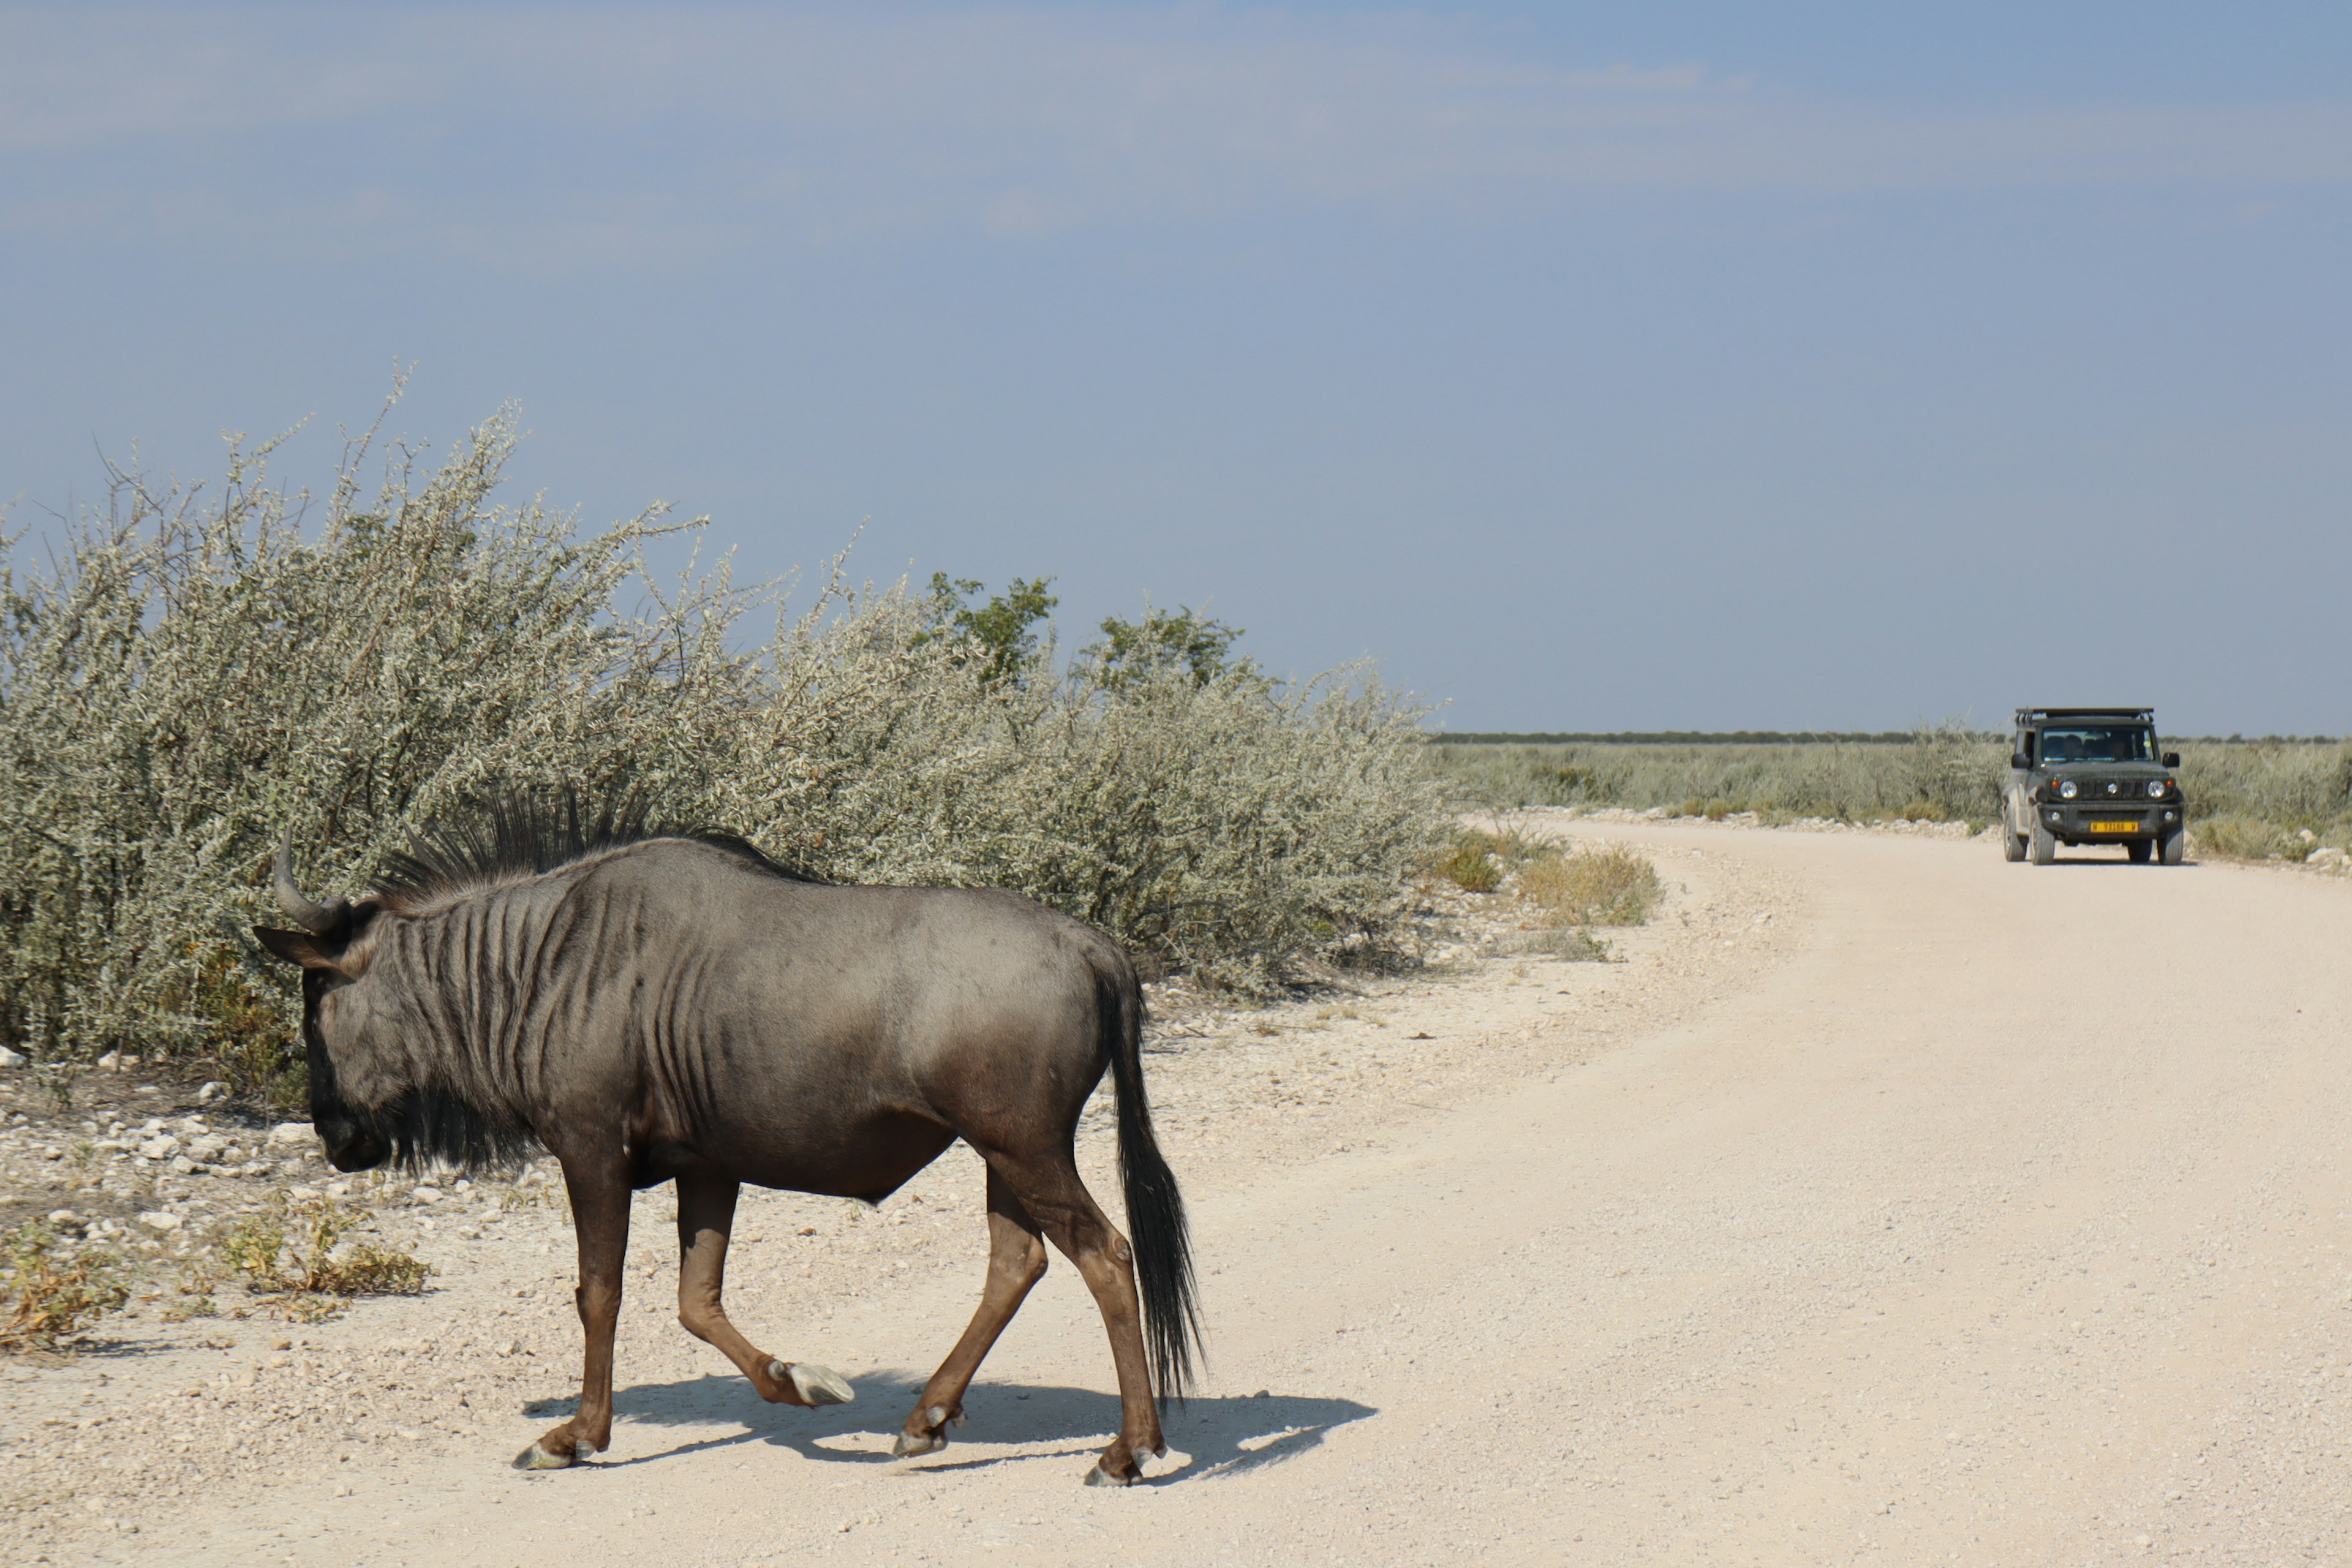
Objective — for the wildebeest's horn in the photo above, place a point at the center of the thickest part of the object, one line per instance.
(317, 918)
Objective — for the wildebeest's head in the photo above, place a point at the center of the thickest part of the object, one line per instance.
(355, 1081)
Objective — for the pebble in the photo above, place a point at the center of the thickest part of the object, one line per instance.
(162, 1221)
(9, 1058)
(291, 1133)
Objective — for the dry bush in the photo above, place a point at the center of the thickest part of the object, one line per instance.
(1612, 887)
(48, 1299)
(186, 678)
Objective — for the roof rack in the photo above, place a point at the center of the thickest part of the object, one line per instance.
(2038, 715)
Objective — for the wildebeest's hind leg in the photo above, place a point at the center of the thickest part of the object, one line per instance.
(706, 1216)
(600, 1218)
(1049, 1188)
(1016, 1260)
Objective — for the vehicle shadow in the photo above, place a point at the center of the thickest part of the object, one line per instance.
(1225, 1435)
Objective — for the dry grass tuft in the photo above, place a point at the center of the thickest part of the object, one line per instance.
(1610, 886)
(49, 1299)
(2233, 838)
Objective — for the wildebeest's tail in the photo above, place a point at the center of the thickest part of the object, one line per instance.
(1155, 1209)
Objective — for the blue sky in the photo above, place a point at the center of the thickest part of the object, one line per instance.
(1720, 366)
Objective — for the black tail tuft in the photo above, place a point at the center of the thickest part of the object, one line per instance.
(1155, 1209)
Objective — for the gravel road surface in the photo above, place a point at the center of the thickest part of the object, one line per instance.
(1888, 1204)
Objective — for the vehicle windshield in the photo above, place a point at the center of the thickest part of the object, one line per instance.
(2098, 743)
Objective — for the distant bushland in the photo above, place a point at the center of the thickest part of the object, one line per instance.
(2270, 798)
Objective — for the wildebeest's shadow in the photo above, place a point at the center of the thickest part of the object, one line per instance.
(1225, 1435)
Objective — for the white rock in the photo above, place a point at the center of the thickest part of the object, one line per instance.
(214, 1091)
(425, 1195)
(111, 1061)
(9, 1058)
(161, 1147)
(207, 1147)
(161, 1222)
(183, 1166)
(292, 1132)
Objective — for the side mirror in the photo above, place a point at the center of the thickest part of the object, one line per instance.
(2019, 761)
(2172, 759)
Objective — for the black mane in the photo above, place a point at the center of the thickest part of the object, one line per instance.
(527, 832)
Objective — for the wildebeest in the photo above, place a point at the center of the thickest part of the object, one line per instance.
(659, 1006)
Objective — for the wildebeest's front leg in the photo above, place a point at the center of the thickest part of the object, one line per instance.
(1016, 1261)
(600, 1218)
(706, 1216)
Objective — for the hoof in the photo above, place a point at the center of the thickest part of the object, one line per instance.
(538, 1459)
(909, 1444)
(1099, 1477)
(816, 1385)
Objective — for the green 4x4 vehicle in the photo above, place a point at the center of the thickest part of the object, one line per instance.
(2092, 776)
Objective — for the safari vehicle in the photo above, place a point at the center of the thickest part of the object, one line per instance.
(2092, 776)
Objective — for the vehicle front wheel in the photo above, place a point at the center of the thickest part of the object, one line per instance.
(2175, 848)
(2046, 844)
(2137, 849)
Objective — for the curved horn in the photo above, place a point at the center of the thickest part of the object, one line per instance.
(315, 919)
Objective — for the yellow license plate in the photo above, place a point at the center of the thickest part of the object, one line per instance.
(2115, 827)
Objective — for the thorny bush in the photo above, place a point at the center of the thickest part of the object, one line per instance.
(185, 677)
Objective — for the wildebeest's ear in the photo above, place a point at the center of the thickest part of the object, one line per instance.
(293, 946)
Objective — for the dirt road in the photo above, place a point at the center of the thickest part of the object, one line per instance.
(1983, 1214)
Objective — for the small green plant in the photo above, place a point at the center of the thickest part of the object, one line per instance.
(48, 1298)
(1612, 887)
(314, 1280)
(1469, 865)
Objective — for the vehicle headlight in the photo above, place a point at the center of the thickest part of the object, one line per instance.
(2066, 789)
(2156, 788)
